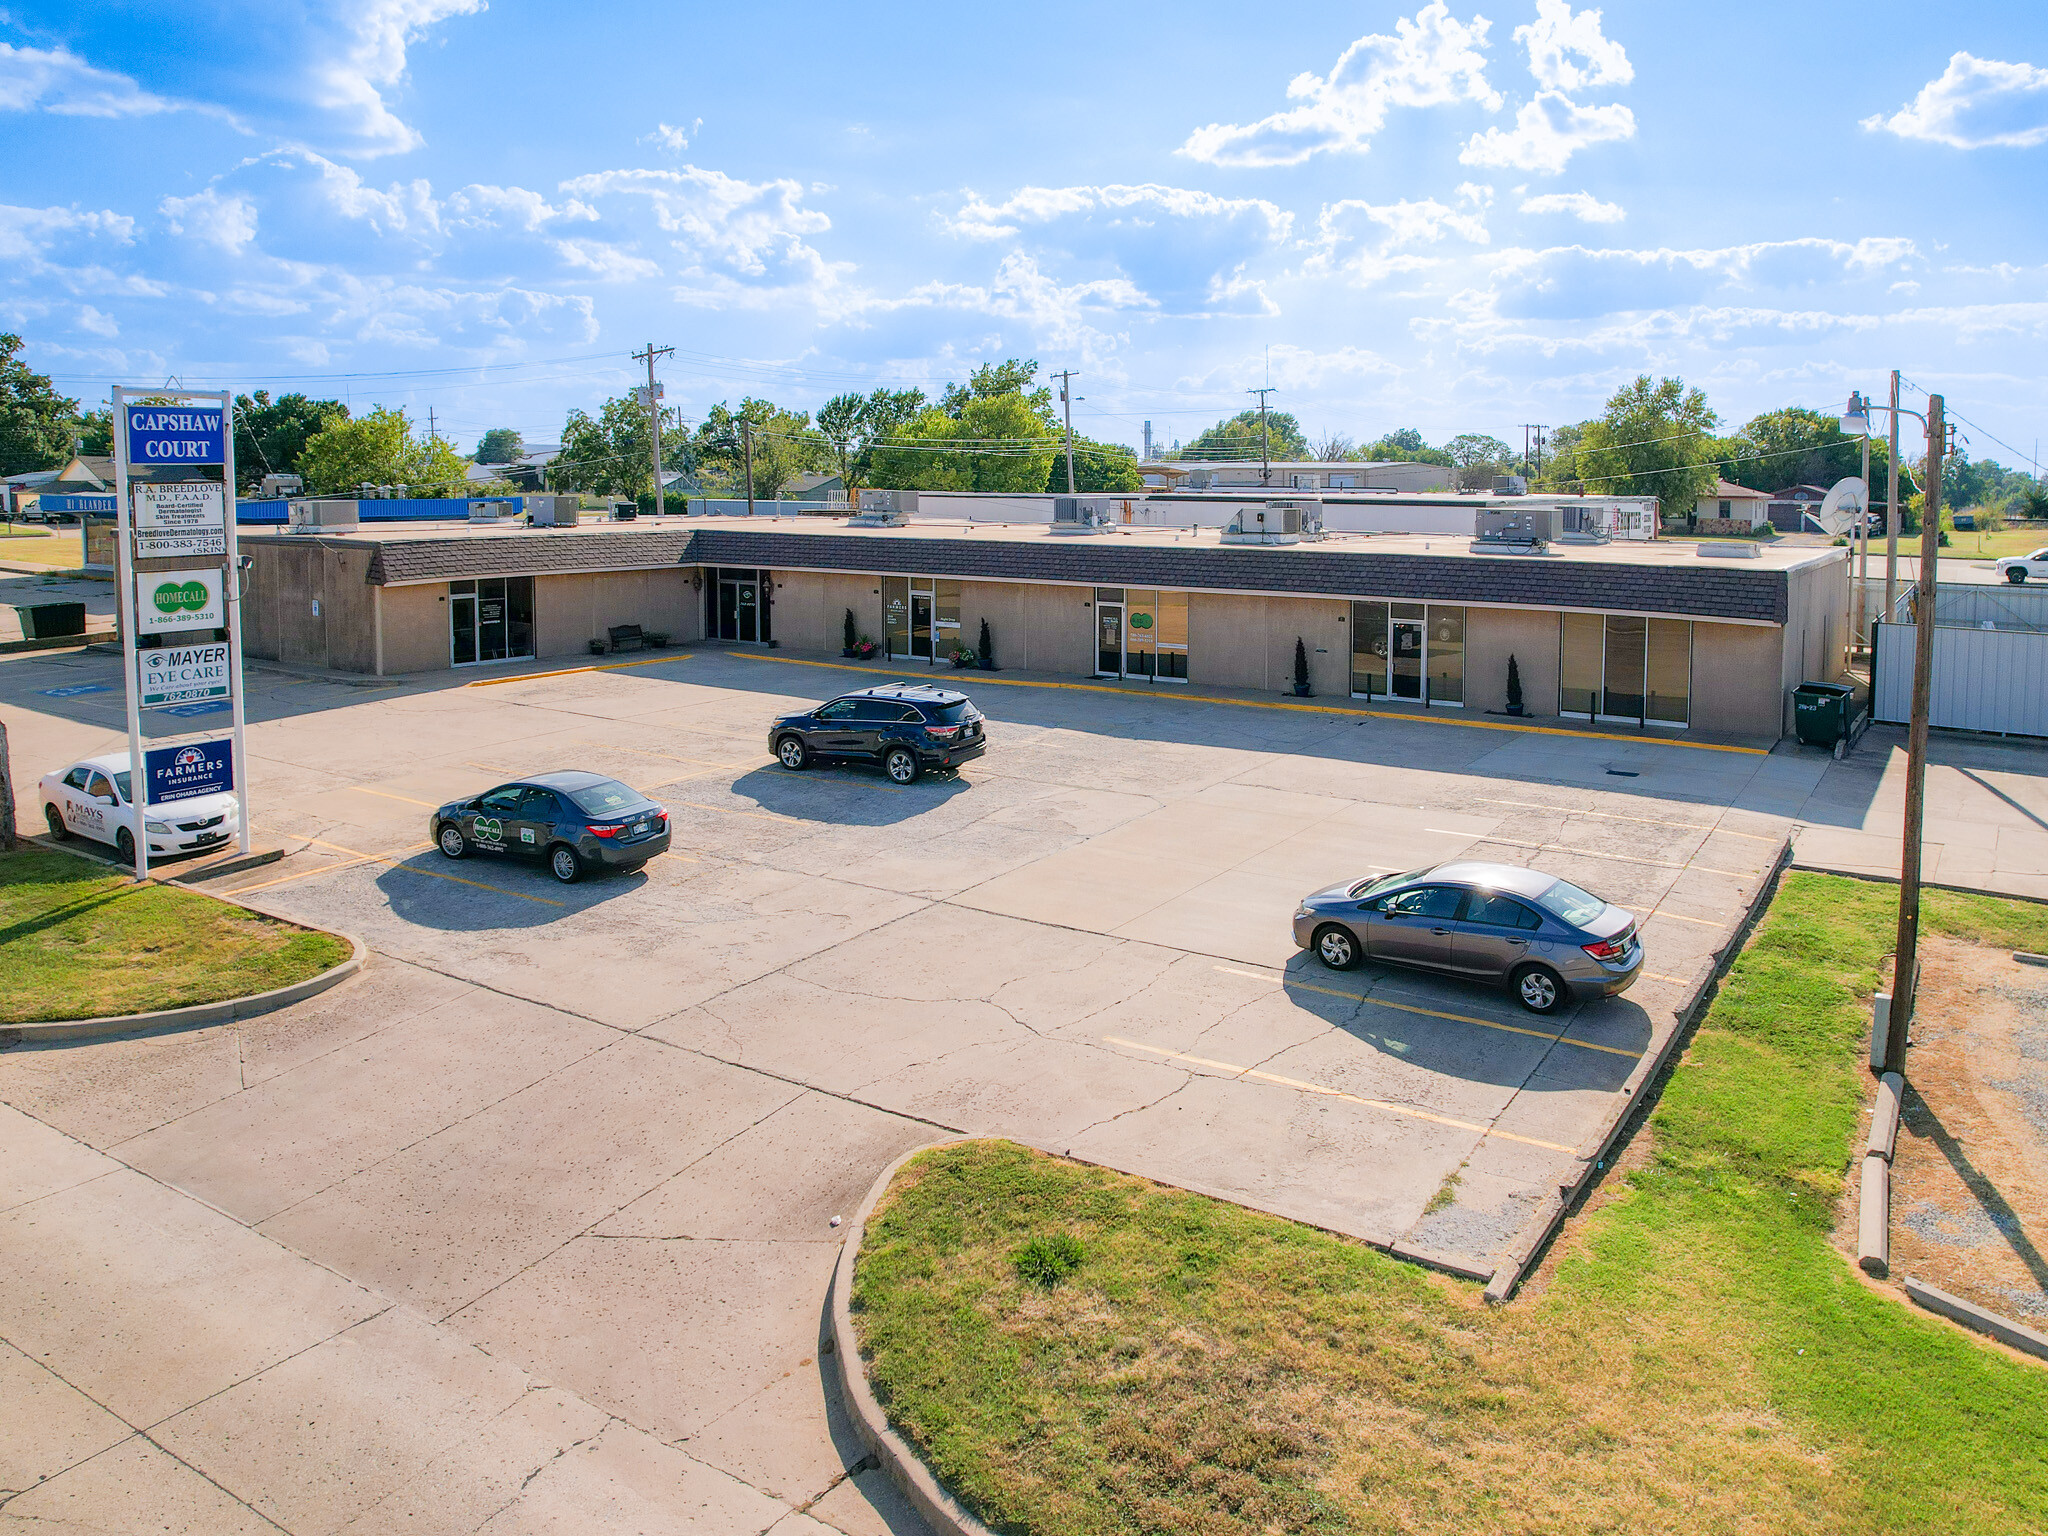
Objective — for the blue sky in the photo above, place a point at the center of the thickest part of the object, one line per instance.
(1435, 215)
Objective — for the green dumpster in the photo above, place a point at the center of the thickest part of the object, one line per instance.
(1820, 712)
(51, 621)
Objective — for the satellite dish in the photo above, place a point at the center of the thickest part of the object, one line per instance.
(1845, 505)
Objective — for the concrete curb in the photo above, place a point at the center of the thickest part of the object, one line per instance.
(199, 1015)
(1874, 1217)
(1521, 1255)
(941, 1511)
(1925, 885)
(1974, 1317)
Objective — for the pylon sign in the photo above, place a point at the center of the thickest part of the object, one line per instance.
(174, 464)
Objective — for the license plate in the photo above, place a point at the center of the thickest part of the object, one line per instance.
(212, 837)
(639, 826)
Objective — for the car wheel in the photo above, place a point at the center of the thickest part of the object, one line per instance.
(124, 845)
(58, 831)
(1336, 947)
(793, 754)
(564, 865)
(453, 844)
(2016, 574)
(902, 765)
(1538, 989)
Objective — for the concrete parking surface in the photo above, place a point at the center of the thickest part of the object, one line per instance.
(529, 1228)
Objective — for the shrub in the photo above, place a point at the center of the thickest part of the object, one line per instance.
(1046, 1261)
(987, 645)
(849, 632)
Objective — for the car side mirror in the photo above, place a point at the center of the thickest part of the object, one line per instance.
(104, 799)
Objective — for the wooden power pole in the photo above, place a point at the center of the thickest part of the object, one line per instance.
(1906, 967)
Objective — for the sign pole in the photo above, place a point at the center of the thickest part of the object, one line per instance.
(124, 572)
(232, 580)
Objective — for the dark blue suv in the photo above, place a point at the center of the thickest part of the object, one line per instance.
(906, 727)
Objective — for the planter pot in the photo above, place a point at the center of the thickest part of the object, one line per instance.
(1514, 709)
(597, 647)
(987, 664)
(1303, 691)
(849, 653)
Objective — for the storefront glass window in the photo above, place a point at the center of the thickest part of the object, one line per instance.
(946, 618)
(896, 615)
(1369, 650)
(1669, 699)
(1579, 655)
(1173, 635)
(1621, 692)
(1622, 667)
(1446, 652)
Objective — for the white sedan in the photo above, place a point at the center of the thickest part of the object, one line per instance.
(2018, 568)
(93, 798)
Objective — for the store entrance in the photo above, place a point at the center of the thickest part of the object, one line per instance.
(738, 603)
(490, 619)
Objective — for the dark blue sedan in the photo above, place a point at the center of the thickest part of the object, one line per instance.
(574, 822)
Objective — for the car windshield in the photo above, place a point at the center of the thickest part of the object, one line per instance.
(1574, 906)
(947, 714)
(1386, 882)
(604, 797)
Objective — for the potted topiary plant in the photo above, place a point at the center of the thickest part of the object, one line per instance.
(1514, 686)
(1301, 688)
(987, 649)
(597, 647)
(849, 635)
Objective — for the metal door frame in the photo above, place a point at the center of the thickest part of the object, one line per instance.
(455, 599)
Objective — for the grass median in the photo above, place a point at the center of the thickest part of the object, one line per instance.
(79, 943)
(1078, 1353)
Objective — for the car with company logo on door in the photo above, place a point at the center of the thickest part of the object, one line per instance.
(573, 821)
(94, 798)
(1544, 938)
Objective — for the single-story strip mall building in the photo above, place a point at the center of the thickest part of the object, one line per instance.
(1660, 635)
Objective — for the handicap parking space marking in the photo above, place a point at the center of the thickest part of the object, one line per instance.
(1557, 1038)
(73, 690)
(1408, 1110)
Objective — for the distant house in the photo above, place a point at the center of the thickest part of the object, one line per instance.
(82, 475)
(1791, 507)
(815, 487)
(1732, 503)
(1310, 475)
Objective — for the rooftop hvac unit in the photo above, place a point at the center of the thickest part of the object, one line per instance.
(554, 511)
(1308, 513)
(1084, 514)
(1583, 525)
(880, 509)
(1510, 485)
(276, 486)
(489, 511)
(1514, 528)
(322, 517)
(1274, 522)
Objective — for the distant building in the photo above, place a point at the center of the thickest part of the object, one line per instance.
(1790, 508)
(1302, 475)
(1735, 504)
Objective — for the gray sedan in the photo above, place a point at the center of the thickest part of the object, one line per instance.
(1542, 936)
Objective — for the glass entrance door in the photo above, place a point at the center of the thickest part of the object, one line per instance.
(739, 608)
(1109, 639)
(1406, 651)
(462, 629)
(921, 624)
(492, 637)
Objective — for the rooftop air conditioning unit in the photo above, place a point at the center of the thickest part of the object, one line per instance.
(1308, 512)
(1510, 485)
(1514, 528)
(275, 487)
(1583, 525)
(490, 511)
(1276, 522)
(1084, 514)
(322, 517)
(554, 511)
(880, 509)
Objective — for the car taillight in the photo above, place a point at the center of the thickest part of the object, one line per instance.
(1608, 949)
(611, 831)
(943, 732)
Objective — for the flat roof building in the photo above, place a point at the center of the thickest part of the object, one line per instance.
(1649, 634)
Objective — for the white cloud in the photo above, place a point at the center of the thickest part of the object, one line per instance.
(744, 224)
(979, 219)
(1432, 59)
(608, 263)
(1558, 39)
(1405, 222)
(404, 208)
(483, 204)
(227, 221)
(92, 321)
(26, 233)
(1547, 133)
(1974, 104)
(674, 140)
(1583, 206)
(58, 80)
(371, 57)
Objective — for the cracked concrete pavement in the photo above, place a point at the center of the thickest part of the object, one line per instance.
(529, 1227)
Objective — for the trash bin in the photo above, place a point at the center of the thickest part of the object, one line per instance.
(1820, 712)
(51, 621)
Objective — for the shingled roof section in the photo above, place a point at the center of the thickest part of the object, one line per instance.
(1701, 592)
(529, 554)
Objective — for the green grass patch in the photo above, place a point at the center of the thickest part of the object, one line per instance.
(78, 943)
(1700, 1361)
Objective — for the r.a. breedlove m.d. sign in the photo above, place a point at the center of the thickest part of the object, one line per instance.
(176, 434)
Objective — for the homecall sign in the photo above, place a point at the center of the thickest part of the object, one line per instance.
(160, 434)
(179, 600)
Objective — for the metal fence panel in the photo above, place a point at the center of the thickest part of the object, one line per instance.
(1984, 679)
(1971, 605)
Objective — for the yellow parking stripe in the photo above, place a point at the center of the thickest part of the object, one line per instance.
(364, 789)
(322, 869)
(1336, 1093)
(1462, 1018)
(1312, 709)
(609, 666)
(432, 874)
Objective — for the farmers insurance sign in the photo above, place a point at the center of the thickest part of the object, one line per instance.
(176, 434)
(179, 600)
(183, 674)
(198, 768)
(177, 520)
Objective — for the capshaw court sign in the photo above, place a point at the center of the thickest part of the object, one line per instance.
(162, 434)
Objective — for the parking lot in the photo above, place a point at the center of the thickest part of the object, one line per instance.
(559, 1171)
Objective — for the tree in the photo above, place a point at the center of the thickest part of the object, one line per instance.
(94, 432)
(1333, 447)
(1012, 376)
(1241, 438)
(852, 424)
(1098, 467)
(996, 443)
(1796, 446)
(379, 449)
(1478, 458)
(784, 445)
(271, 435)
(35, 421)
(612, 453)
(500, 445)
(1560, 471)
(1655, 439)
(1404, 445)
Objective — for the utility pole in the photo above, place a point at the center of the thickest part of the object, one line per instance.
(1066, 377)
(1533, 466)
(747, 446)
(1905, 967)
(654, 417)
(1891, 511)
(1265, 437)
(432, 431)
